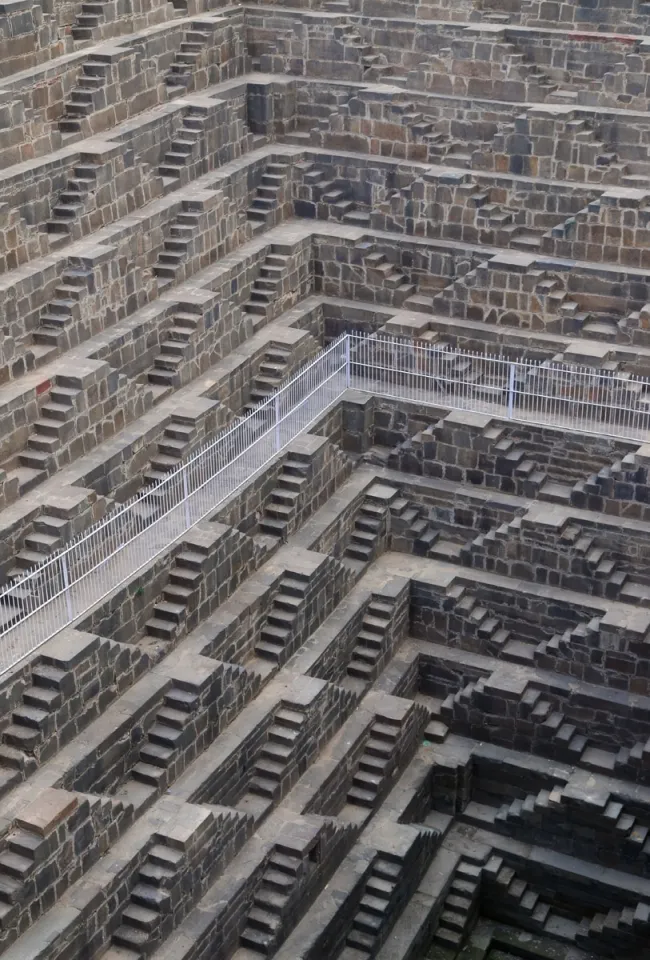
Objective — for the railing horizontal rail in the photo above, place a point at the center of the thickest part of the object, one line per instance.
(78, 576)
(72, 580)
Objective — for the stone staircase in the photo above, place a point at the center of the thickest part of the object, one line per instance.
(364, 540)
(22, 851)
(276, 755)
(175, 350)
(71, 203)
(621, 471)
(605, 327)
(460, 909)
(164, 737)
(54, 428)
(95, 74)
(185, 578)
(598, 564)
(348, 36)
(370, 917)
(47, 535)
(500, 225)
(179, 243)
(371, 639)
(585, 634)
(554, 736)
(267, 195)
(139, 930)
(330, 199)
(448, 151)
(423, 533)
(376, 764)
(90, 17)
(390, 276)
(282, 503)
(477, 619)
(277, 632)
(617, 930)
(185, 147)
(375, 66)
(32, 722)
(503, 886)
(625, 827)
(271, 901)
(56, 323)
(180, 76)
(176, 443)
(272, 371)
(267, 287)
(603, 571)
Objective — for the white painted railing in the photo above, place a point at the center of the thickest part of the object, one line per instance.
(577, 398)
(73, 580)
(78, 576)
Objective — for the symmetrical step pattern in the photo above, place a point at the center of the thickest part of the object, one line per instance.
(627, 829)
(150, 900)
(277, 753)
(511, 893)
(461, 905)
(48, 533)
(267, 287)
(71, 202)
(271, 902)
(95, 74)
(272, 371)
(18, 860)
(616, 930)
(54, 428)
(330, 200)
(365, 539)
(91, 16)
(55, 330)
(371, 640)
(174, 350)
(282, 503)
(178, 244)
(277, 632)
(184, 579)
(391, 277)
(376, 764)
(32, 721)
(175, 444)
(179, 78)
(367, 923)
(267, 197)
(184, 147)
(164, 737)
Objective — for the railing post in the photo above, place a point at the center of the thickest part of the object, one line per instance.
(186, 498)
(66, 586)
(347, 360)
(511, 391)
(278, 442)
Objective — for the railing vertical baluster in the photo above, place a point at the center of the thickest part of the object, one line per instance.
(511, 391)
(556, 395)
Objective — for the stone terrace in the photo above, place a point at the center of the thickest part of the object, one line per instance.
(391, 697)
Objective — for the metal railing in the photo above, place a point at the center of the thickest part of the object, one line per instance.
(578, 398)
(73, 580)
(79, 575)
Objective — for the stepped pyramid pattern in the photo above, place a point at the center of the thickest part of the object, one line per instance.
(324, 635)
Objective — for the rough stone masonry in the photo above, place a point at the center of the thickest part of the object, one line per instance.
(390, 699)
